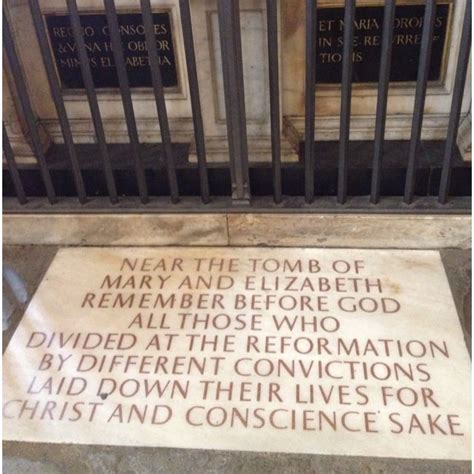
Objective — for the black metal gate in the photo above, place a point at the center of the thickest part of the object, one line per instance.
(174, 185)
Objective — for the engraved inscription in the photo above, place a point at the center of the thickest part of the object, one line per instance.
(368, 29)
(99, 49)
(322, 351)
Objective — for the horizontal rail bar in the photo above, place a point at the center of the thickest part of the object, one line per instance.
(260, 204)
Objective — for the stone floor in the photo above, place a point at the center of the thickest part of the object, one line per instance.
(30, 263)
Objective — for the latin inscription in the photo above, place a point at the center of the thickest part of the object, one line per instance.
(99, 49)
(368, 28)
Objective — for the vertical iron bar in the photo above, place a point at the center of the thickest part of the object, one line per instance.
(458, 92)
(91, 96)
(420, 96)
(231, 52)
(382, 98)
(25, 103)
(186, 24)
(127, 102)
(12, 168)
(224, 40)
(239, 87)
(272, 40)
(147, 16)
(346, 91)
(310, 87)
(55, 89)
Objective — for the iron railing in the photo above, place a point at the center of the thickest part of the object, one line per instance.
(240, 193)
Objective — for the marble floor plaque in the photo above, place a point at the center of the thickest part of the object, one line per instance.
(343, 352)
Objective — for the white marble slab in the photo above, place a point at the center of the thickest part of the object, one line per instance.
(343, 352)
(254, 63)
